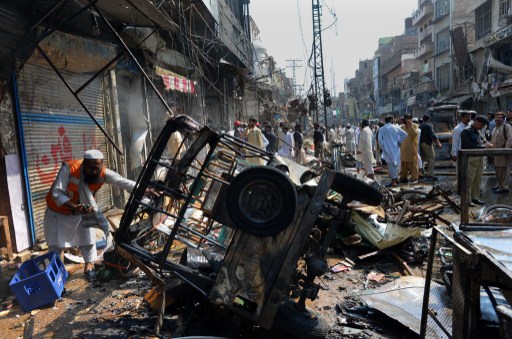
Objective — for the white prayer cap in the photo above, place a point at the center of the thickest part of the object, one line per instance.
(93, 154)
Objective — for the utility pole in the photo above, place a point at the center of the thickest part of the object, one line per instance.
(321, 96)
(294, 65)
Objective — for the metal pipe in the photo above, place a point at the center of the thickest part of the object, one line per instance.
(47, 14)
(147, 117)
(428, 278)
(62, 23)
(78, 99)
(463, 187)
(134, 60)
(24, 160)
(484, 228)
(103, 69)
(434, 317)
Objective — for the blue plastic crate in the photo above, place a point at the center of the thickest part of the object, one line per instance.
(39, 281)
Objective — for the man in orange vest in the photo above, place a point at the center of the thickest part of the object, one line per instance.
(72, 213)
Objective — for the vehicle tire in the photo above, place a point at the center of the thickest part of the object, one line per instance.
(356, 189)
(261, 201)
(303, 325)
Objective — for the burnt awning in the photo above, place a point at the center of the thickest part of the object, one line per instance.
(460, 99)
(136, 13)
(20, 18)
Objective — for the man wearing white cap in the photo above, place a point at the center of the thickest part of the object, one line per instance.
(72, 213)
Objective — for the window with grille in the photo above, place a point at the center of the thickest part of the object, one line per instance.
(483, 20)
(505, 8)
(442, 8)
(443, 77)
(443, 40)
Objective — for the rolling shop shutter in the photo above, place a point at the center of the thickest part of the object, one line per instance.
(56, 129)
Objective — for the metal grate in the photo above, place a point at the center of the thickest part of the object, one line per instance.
(465, 283)
(452, 265)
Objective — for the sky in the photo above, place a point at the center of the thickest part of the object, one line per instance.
(286, 32)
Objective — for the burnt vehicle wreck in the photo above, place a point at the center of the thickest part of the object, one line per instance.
(241, 228)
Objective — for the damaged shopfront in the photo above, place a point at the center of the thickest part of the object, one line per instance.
(493, 88)
(106, 75)
(53, 125)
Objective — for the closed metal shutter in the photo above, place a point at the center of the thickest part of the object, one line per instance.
(56, 129)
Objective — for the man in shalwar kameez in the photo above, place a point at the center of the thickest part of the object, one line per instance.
(390, 138)
(409, 151)
(287, 145)
(365, 150)
(350, 138)
(254, 137)
(72, 213)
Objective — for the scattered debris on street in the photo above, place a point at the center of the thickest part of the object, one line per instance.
(348, 257)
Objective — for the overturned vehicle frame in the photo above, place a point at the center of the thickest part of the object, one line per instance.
(233, 222)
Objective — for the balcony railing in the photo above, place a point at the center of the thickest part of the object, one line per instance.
(505, 8)
(426, 32)
(424, 87)
(423, 13)
(424, 49)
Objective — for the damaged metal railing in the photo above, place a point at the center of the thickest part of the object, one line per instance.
(475, 267)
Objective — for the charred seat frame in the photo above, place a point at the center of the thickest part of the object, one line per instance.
(253, 270)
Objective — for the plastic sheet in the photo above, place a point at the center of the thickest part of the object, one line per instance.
(382, 235)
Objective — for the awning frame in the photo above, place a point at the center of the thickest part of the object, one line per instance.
(126, 50)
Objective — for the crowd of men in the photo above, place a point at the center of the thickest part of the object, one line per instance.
(287, 142)
(406, 146)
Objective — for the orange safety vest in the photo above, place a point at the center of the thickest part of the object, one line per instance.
(75, 169)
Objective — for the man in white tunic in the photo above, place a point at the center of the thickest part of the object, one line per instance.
(332, 135)
(390, 138)
(350, 138)
(464, 123)
(286, 148)
(72, 213)
(364, 149)
(341, 135)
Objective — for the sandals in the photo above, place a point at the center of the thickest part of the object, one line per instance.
(91, 274)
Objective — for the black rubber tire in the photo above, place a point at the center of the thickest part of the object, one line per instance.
(302, 325)
(356, 189)
(274, 199)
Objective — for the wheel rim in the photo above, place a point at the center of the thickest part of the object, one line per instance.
(260, 201)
